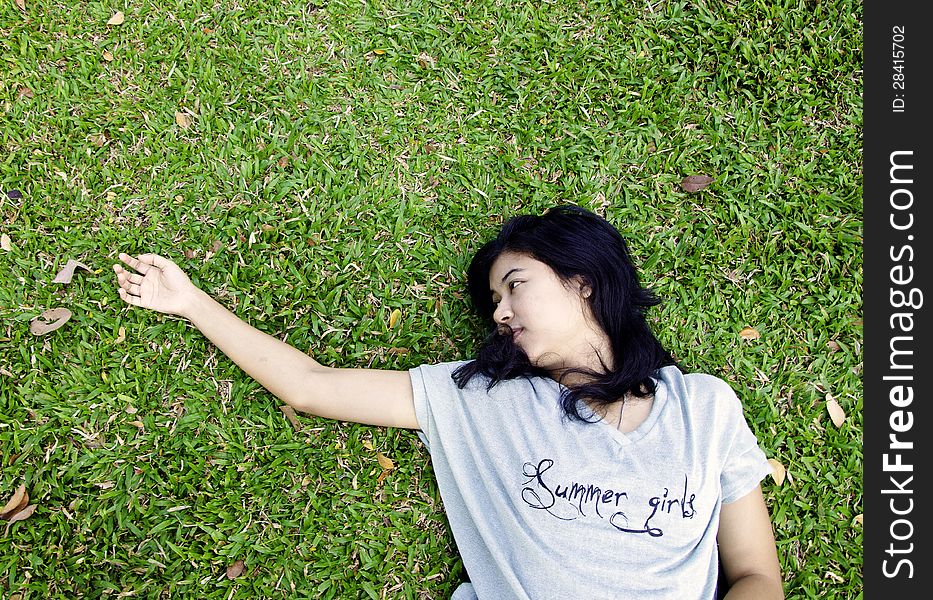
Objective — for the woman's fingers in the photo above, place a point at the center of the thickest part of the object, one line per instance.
(129, 298)
(155, 260)
(134, 263)
(124, 276)
(144, 262)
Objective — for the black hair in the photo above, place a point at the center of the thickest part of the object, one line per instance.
(577, 245)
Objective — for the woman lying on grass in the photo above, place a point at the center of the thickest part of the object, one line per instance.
(574, 457)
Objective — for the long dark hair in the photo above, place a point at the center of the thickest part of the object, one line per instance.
(574, 243)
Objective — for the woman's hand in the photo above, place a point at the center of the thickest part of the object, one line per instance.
(158, 284)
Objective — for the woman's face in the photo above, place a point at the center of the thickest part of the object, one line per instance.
(551, 322)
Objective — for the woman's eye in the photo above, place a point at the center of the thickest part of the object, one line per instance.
(513, 284)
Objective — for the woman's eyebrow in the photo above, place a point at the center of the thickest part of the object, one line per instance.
(506, 276)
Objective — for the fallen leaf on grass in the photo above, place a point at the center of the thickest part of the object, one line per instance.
(291, 416)
(15, 504)
(116, 19)
(833, 346)
(98, 139)
(777, 471)
(107, 56)
(749, 333)
(5, 242)
(182, 120)
(68, 271)
(21, 4)
(695, 183)
(384, 461)
(121, 335)
(394, 317)
(858, 519)
(49, 321)
(20, 516)
(835, 411)
(236, 569)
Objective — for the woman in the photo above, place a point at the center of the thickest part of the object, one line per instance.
(574, 458)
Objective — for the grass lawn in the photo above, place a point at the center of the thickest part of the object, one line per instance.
(316, 166)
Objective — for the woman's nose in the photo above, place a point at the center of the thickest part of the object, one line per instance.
(503, 313)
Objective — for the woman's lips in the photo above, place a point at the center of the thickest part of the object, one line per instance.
(517, 332)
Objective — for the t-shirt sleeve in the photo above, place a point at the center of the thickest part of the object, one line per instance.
(433, 389)
(745, 462)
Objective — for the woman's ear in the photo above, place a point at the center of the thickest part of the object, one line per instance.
(583, 287)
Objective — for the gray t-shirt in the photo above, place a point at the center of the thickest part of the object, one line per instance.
(544, 507)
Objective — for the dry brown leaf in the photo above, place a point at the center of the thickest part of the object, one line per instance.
(16, 503)
(20, 516)
(49, 321)
(138, 424)
(368, 445)
(121, 335)
(858, 519)
(283, 162)
(236, 569)
(835, 411)
(777, 471)
(182, 120)
(379, 51)
(98, 139)
(107, 56)
(382, 476)
(384, 461)
(25, 92)
(5, 242)
(833, 346)
(68, 271)
(394, 317)
(21, 4)
(749, 333)
(399, 351)
(292, 417)
(116, 19)
(695, 183)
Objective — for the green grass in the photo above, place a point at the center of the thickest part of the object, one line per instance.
(345, 159)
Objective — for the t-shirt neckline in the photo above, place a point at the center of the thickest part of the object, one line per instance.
(657, 406)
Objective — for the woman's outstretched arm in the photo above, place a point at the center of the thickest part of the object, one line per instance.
(370, 396)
